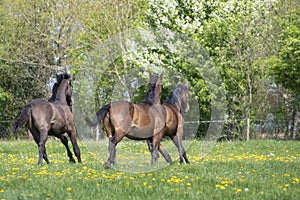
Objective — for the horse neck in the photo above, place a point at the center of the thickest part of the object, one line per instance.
(61, 93)
(174, 100)
(152, 99)
(54, 90)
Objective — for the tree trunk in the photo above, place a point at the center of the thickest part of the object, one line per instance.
(295, 124)
(248, 124)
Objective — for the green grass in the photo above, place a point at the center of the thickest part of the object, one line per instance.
(264, 169)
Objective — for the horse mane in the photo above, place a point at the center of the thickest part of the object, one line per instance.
(173, 97)
(61, 95)
(150, 95)
(59, 78)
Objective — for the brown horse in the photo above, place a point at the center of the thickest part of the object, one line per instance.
(173, 107)
(44, 118)
(139, 121)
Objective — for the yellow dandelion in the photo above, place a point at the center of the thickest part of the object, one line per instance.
(69, 188)
(295, 180)
(1, 191)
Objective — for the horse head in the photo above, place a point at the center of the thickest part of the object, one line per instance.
(184, 98)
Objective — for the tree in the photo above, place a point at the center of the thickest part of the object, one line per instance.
(285, 66)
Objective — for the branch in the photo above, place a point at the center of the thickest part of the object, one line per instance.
(31, 64)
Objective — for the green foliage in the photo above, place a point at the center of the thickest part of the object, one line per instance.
(286, 68)
(252, 44)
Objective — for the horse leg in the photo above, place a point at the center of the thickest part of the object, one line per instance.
(182, 154)
(64, 140)
(40, 139)
(72, 136)
(155, 147)
(150, 145)
(165, 154)
(113, 141)
(42, 148)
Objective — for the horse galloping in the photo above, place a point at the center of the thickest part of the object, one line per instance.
(176, 102)
(44, 118)
(139, 121)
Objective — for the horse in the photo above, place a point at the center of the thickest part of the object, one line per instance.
(44, 118)
(139, 121)
(63, 138)
(176, 102)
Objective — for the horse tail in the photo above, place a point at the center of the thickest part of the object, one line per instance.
(23, 119)
(100, 114)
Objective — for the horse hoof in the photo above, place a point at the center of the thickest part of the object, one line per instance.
(106, 165)
(72, 161)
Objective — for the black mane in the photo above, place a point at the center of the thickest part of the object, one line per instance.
(173, 98)
(59, 78)
(150, 95)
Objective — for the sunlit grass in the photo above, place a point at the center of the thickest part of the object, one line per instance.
(233, 170)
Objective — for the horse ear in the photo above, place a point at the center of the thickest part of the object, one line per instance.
(186, 84)
(161, 76)
(71, 77)
(159, 80)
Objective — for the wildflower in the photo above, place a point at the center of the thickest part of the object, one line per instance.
(295, 180)
(69, 188)
(246, 189)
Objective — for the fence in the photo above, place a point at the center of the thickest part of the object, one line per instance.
(234, 128)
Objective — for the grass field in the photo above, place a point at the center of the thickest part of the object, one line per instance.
(265, 169)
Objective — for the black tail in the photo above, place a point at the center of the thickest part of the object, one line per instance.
(100, 114)
(23, 119)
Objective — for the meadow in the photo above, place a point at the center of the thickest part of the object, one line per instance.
(259, 169)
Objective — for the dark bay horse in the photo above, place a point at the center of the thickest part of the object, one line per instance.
(44, 118)
(139, 121)
(176, 103)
